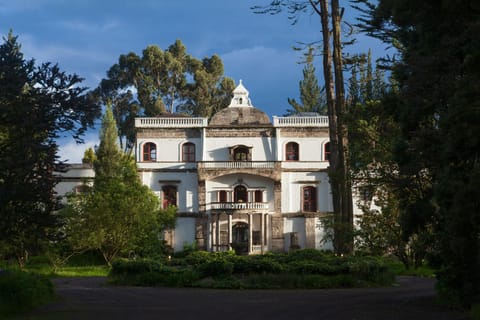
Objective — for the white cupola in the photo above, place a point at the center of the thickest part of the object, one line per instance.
(240, 97)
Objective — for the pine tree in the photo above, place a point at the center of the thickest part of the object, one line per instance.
(312, 97)
(37, 103)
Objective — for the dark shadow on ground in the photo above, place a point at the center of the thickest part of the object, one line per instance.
(91, 298)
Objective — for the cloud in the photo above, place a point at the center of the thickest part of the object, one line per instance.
(72, 152)
(89, 26)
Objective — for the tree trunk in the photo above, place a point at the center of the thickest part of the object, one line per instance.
(338, 171)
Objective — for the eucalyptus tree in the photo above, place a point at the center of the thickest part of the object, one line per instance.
(163, 81)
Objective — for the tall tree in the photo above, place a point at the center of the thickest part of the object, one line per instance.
(312, 96)
(437, 147)
(161, 81)
(335, 94)
(38, 104)
(119, 214)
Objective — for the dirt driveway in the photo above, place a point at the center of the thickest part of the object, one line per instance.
(91, 298)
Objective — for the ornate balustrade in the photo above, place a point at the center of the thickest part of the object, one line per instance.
(171, 122)
(318, 121)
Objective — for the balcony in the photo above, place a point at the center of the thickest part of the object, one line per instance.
(211, 169)
(318, 121)
(171, 122)
(240, 206)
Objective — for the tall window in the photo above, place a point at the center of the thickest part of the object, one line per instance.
(169, 196)
(188, 152)
(291, 151)
(240, 154)
(309, 199)
(149, 152)
(326, 151)
(222, 196)
(258, 196)
(240, 194)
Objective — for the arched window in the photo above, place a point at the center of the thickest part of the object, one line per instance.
(149, 152)
(240, 154)
(326, 151)
(169, 196)
(240, 194)
(188, 152)
(291, 151)
(309, 199)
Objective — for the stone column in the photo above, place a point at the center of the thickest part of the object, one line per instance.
(277, 220)
(217, 233)
(250, 227)
(229, 231)
(262, 231)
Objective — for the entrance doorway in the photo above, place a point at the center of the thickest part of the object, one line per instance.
(240, 237)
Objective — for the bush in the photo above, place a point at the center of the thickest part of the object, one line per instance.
(219, 267)
(21, 291)
(256, 264)
(124, 268)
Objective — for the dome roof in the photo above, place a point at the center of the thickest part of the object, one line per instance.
(240, 116)
(240, 112)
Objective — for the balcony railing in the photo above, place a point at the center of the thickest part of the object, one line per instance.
(171, 122)
(237, 164)
(239, 205)
(318, 121)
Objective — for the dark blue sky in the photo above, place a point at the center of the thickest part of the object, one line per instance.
(86, 37)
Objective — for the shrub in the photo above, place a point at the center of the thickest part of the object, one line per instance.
(123, 267)
(197, 258)
(21, 291)
(256, 264)
(219, 267)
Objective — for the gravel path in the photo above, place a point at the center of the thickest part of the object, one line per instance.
(90, 298)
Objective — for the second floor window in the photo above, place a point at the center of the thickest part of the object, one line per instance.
(188, 152)
(240, 154)
(149, 152)
(222, 196)
(309, 199)
(326, 151)
(169, 196)
(240, 194)
(291, 151)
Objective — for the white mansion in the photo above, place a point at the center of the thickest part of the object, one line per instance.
(239, 181)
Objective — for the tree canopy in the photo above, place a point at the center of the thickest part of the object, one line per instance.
(160, 82)
(38, 104)
(119, 214)
(437, 111)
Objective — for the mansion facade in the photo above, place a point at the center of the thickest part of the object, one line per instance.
(238, 180)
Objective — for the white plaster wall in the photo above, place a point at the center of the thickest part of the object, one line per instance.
(294, 225)
(186, 183)
(310, 149)
(292, 184)
(184, 233)
(169, 149)
(319, 237)
(263, 149)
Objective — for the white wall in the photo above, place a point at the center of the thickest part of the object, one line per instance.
(216, 149)
(184, 233)
(292, 184)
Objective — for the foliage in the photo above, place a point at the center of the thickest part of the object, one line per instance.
(299, 269)
(437, 69)
(20, 291)
(164, 81)
(331, 48)
(119, 214)
(38, 105)
(89, 156)
(312, 97)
